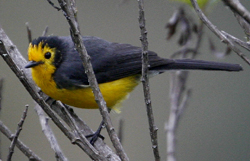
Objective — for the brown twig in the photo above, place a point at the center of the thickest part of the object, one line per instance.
(69, 11)
(49, 134)
(16, 135)
(217, 32)
(152, 127)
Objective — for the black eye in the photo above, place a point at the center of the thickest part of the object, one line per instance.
(47, 55)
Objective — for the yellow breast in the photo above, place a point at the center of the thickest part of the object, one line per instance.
(113, 92)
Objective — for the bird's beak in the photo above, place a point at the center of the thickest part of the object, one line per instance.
(31, 64)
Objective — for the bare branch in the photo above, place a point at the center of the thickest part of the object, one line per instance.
(237, 41)
(15, 137)
(45, 32)
(179, 95)
(244, 24)
(53, 5)
(184, 102)
(1, 91)
(217, 32)
(20, 145)
(60, 109)
(120, 130)
(178, 105)
(152, 127)
(29, 33)
(238, 8)
(49, 134)
(69, 10)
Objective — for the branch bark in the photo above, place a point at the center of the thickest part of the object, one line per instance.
(49, 134)
(69, 9)
(217, 32)
(1, 91)
(16, 135)
(21, 146)
(145, 81)
(238, 8)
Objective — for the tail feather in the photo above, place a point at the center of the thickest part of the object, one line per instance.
(192, 64)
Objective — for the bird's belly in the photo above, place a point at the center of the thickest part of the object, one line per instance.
(113, 93)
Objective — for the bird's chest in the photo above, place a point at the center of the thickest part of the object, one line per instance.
(44, 79)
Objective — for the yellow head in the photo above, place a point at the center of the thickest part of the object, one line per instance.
(40, 56)
(41, 61)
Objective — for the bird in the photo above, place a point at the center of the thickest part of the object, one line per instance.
(57, 69)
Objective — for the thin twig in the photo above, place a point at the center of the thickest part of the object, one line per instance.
(72, 124)
(241, 14)
(238, 8)
(20, 145)
(49, 134)
(82, 127)
(53, 5)
(69, 11)
(178, 93)
(184, 102)
(244, 25)
(145, 63)
(67, 114)
(237, 41)
(178, 105)
(217, 32)
(1, 91)
(45, 32)
(15, 137)
(29, 33)
(121, 129)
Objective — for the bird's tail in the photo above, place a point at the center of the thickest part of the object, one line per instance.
(192, 64)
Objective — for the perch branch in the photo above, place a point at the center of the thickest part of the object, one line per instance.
(69, 10)
(179, 95)
(238, 8)
(49, 134)
(20, 145)
(15, 137)
(152, 127)
(217, 32)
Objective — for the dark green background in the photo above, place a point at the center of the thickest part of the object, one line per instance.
(214, 127)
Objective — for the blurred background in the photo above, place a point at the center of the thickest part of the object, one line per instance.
(216, 124)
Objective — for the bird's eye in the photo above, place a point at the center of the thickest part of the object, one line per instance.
(47, 55)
